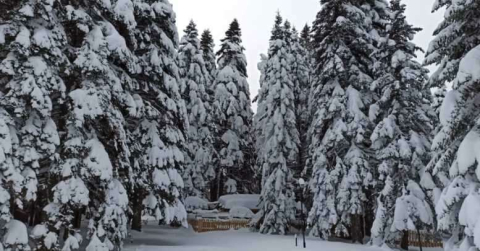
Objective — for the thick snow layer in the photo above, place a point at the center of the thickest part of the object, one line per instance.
(448, 106)
(231, 186)
(468, 154)
(469, 217)
(241, 212)
(251, 201)
(155, 238)
(468, 69)
(96, 245)
(16, 233)
(194, 203)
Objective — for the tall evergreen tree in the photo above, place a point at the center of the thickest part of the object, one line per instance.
(306, 37)
(258, 124)
(301, 77)
(401, 138)
(340, 127)
(259, 121)
(158, 131)
(233, 112)
(207, 45)
(454, 165)
(279, 135)
(85, 174)
(32, 64)
(199, 163)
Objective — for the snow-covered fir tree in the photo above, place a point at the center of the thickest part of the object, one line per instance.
(401, 139)
(158, 130)
(32, 64)
(258, 122)
(94, 142)
(306, 37)
(258, 119)
(233, 113)
(340, 128)
(207, 45)
(279, 135)
(454, 165)
(199, 168)
(300, 74)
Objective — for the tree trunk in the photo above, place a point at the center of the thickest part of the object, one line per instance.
(357, 233)
(137, 212)
(33, 215)
(219, 184)
(404, 244)
(213, 189)
(77, 221)
(420, 239)
(66, 233)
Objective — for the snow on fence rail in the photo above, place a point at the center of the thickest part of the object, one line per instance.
(209, 225)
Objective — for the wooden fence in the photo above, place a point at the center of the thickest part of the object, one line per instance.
(209, 225)
(425, 239)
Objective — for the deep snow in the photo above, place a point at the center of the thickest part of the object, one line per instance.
(156, 238)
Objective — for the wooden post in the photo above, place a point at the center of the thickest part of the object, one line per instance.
(404, 244)
(419, 239)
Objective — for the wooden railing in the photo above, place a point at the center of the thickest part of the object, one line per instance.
(209, 225)
(426, 240)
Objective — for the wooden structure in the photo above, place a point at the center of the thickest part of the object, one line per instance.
(425, 239)
(210, 225)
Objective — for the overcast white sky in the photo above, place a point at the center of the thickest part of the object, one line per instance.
(256, 19)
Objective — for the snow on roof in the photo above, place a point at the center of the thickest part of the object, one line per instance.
(250, 201)
(241, 213)
(193, 203)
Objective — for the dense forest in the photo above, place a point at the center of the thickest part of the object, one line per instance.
(109, 119)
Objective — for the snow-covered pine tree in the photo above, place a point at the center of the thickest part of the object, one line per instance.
(258, 122)
(32, 63)
(306, 37)
(94, 143)
(401, 139)
(199, 162)
(158, 130)
(10, 176)
(454, 165)
(279, 135)
(300, 61)
(207, 45)
(340, 128)
(233, 113)
(258, 119)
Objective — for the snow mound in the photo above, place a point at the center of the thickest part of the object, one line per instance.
(241, 213)
(194, 203)
(16, 234)
(250, 201)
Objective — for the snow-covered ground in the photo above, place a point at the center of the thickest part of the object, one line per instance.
(155, 238)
